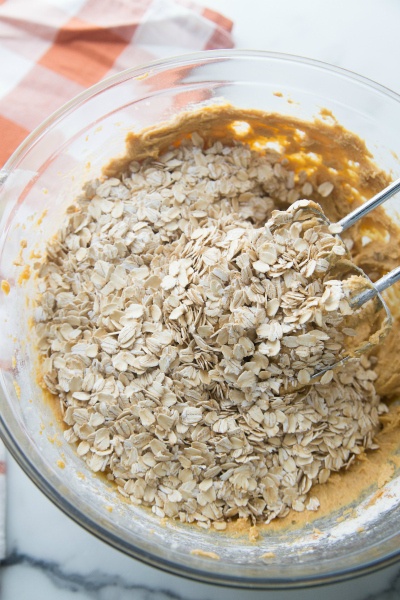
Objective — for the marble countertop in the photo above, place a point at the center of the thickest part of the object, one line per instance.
(49, 556)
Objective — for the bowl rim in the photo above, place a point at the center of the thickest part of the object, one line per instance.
(25, 462)
(182, 60)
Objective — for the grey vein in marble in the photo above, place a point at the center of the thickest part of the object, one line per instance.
(392, 592)
(95, 585)
(103, 586)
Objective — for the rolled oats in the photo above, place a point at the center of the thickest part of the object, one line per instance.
(179, 314)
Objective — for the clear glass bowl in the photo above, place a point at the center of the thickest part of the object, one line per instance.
(38, 182)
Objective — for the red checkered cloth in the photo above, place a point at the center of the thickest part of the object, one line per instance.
(50, 50)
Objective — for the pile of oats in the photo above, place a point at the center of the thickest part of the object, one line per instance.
(180, 318)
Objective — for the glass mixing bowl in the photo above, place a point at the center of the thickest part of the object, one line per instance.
(36, 185)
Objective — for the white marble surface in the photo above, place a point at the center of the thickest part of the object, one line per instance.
(49, 556)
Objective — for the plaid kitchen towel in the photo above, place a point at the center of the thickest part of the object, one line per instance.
(50, 50)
